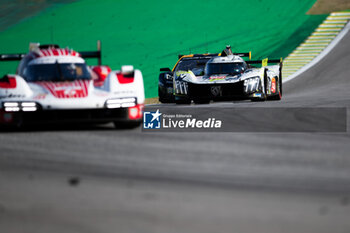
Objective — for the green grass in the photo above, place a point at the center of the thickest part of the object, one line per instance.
(150, 34)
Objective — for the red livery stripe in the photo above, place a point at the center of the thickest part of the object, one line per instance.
(64, 90)
(273, 85)
(123, 79)
(9, 83)
(102, 73)
(55, 52)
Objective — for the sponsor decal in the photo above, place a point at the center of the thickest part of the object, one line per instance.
(157, 120)
(273, 85)
(181, 75)
(191, 123)
(216, 78)
(40, 96)
(12, 96)
(124, 92)
(257, 95)
(216, 90)
(255, 119)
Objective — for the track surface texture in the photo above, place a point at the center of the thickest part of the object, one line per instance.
(97, 179)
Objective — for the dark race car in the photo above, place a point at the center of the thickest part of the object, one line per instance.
(224, 76)
(193, 63)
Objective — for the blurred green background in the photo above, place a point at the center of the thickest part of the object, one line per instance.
(150, 34)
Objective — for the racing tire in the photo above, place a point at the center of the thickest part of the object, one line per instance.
(126, 124)
(257, 99)
(201, 101)
(164, 100)
(182, 100)
(16, 125)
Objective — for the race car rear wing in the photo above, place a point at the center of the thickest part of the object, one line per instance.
(244, 55)
(265, 61)
(94, 54)
(87, 54)
(200, 55)
(12, 57)
(218, 54)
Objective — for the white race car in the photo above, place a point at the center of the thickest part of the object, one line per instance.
(54, 84)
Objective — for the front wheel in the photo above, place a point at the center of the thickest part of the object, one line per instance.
(165, 97)
(126, 124)
(201, 101)
(182, 100)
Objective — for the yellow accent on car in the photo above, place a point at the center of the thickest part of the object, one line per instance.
(178, 73)
(264, 62)
(190, 55)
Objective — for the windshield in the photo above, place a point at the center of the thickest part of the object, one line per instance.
(56, 72)
(195, 65)
(225, 68)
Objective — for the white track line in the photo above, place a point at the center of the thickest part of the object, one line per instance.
(329, 48)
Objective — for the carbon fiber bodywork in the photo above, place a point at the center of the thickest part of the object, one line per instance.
(217, 91)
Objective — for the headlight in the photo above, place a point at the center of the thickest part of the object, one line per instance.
(251, 84)
(20, 106)
(121, 103)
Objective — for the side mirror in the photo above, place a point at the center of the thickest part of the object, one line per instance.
(102, 73)
(165, 69)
